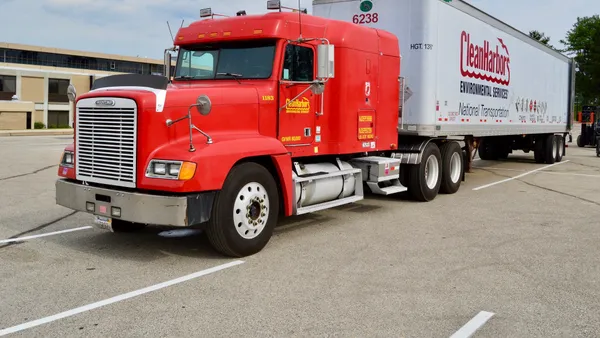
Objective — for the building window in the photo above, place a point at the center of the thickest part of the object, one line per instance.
(58, 119)
(72, 61)
(57, 90)
(8, 87)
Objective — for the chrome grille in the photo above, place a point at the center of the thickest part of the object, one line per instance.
(106, 141)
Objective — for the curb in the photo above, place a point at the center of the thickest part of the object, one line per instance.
(35, 133)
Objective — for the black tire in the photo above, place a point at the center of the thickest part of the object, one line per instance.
(487, 151)
(503, 154)
(550, 148)
(222, 230)
(452, 156)
(417, 185)
(580, 141)
(119, 225)
(539, 150)
(560, 144)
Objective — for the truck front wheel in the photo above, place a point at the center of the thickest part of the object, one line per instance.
(245, 211)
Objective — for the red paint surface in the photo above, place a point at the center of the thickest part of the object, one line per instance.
(244, 122)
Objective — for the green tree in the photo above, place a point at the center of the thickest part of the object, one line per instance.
(541, 37)
(582, 42)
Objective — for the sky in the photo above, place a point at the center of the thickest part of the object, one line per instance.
(139, 27)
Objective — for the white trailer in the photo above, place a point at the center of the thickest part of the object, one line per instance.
(467, 74)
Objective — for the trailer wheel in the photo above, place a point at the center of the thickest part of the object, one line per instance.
(245, 211)
(424, 179)
(487, 151)
(452, 167)
(580, 141)
(560, 146)
(551, 149)
(538, 150)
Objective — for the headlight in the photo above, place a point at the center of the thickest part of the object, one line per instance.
(172, 170)
(67, 159)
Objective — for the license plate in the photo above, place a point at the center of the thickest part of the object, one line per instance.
(104, 223)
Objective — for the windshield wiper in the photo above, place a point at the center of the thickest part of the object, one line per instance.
(234, 75)
(184, 77)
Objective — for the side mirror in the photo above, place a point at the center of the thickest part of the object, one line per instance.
(71, 92)
(167, 63)
(325, 61)
(203, 105)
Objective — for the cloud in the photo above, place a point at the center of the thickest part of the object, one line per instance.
(138, 27)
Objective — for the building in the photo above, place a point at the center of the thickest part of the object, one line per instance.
(34, 81)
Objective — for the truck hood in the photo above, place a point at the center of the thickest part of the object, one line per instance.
(234, 111)
(220, 94)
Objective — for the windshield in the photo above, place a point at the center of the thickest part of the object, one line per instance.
(246, 60)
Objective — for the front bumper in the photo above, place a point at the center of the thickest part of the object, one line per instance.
(179, 211)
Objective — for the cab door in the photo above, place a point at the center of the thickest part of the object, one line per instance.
(297, 103)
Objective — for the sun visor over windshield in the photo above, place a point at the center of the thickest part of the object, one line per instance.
(131, 80)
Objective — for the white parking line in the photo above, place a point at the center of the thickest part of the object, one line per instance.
(519, 176)
(540, 172)
(19, 239)
(118, 298)
(473, 325)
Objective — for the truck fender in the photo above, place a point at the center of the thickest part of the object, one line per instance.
(283, 165)
(411, 151)
(215, 161)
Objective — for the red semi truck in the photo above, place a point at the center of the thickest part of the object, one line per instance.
(265, 116)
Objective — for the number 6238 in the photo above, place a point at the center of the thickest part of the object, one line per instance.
(365, 18)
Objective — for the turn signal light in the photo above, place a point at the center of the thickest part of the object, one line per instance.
(187, 171)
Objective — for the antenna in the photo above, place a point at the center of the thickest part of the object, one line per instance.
(170, 32)
(300, 18)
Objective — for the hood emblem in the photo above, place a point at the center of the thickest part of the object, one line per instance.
(105, 103)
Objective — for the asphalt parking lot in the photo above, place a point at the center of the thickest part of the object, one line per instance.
(513, 253)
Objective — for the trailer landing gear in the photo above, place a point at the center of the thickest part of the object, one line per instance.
(470, 147)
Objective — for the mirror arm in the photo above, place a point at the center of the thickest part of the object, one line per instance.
(191, 126)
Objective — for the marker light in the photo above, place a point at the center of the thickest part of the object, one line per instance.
(67, 159)
(115, 211)
(205, 12)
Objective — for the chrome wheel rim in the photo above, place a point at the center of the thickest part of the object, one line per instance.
(431, 171)
(455, 166)
(251, 210)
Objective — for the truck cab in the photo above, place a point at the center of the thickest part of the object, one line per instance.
(219, 143)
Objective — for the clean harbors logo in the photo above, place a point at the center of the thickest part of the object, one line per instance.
(484, 61)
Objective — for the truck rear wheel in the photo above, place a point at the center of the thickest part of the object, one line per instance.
(424, 179)
(245, 211)
(452, 167)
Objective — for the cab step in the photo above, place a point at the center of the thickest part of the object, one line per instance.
(394, 188)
